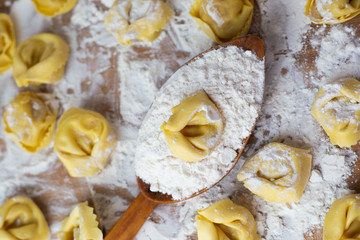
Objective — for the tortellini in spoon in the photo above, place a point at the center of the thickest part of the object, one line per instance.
(83, 142)
(226, 220)
(21, 219)
(52, 8)
(7, 42)
(141, 20)
(194, 128)
(331, 12)
(29, 120)
(40, 59)
(343, 219)
(277, 172)
(223, 20)
(82, 224)
(337, 109)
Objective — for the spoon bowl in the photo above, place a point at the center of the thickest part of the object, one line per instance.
(131, 221)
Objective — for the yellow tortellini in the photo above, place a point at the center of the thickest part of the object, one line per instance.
(343, 219)
(226, 220)
(7, 42)
(40, 59)
(331, 12)
(21, 219)
(82, 224)
(83, 142)
(29, 120)
(194, 128)
(223, 20)
(277, 172)
(52, 8)
(141, 20)
(337, 109)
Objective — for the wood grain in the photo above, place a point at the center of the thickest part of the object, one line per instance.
(132, 220)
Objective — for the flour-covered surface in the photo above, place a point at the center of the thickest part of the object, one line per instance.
(121, 83)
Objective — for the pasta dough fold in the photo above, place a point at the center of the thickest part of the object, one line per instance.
(194, 128)
(7, 42)
(29, 120)
(21, 219)
(82, 224)
(223, 20)
(52, 8)
(40, 59)
(83, 142)
(337, 109)
(331, 12)
(226, 220)
(343, 219)
(277, 172)
(137, 20)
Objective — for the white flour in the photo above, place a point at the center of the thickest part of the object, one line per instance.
(285, 114)
(233, 79)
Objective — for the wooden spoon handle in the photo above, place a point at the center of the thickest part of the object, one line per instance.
(131, 221)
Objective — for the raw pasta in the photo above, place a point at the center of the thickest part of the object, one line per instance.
(226, 220)
(7, 42)
(137, 20)
(82, 224)
(277, 172)
(52, 8)
(343, 219)
(21, 219)
(29, 120)
(337, 109)
(331, 12)
(40, 59)
(194, 128)
(83, 142)
(223, 20)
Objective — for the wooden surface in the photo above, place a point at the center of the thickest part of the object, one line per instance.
(102, 100)
(132, 220)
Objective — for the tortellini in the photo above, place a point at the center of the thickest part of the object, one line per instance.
(82, 224)
(7, 42)
(226, 220)
(52, 8)
(331, 12)
(337, 109)
(21, 219)
(40, 59)
(83, 142)
(223, 20)
(29, 120)
(343, 219)
(141, 20)
(194, 128)
(277, 173)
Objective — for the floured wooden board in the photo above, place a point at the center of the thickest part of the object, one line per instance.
(121, 82)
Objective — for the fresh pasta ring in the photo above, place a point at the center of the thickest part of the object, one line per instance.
(40, 59)
(84, 141)
(21, 219)
(7, 42)
(51, 8)
(223, 20)
(331, 12)
(82, 223)
(342, 220)
(29, 120)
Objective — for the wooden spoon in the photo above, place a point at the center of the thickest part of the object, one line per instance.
(131, 221)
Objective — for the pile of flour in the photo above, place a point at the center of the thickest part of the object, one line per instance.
(234, 81)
